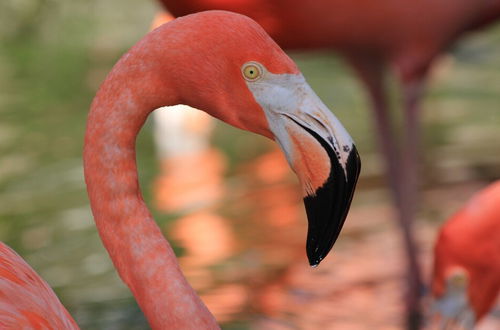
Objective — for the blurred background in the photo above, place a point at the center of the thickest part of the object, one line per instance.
(251, 269)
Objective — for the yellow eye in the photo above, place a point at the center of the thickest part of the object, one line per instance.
(252, 71)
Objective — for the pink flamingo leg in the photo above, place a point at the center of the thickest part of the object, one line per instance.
(401, 169)
(409, 195)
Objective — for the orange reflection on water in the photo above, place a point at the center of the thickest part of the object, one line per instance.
(207, 238)
(228, 258)
(270, 167)
(226, 301)
(190, 181)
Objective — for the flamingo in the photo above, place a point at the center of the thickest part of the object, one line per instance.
(225, 64)
(466, 276)
(406, 36)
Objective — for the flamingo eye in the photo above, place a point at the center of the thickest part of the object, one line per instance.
(251, 71)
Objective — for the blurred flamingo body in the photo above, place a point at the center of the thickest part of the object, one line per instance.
(372, 36)
(26, 300)
(466, 277)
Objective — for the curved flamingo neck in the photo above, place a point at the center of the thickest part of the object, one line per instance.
(140, 253)
(192, 60)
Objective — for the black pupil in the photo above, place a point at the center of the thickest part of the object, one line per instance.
(251, 71)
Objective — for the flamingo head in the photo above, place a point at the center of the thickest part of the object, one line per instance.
(463, 292)
(317, 147)
(465, 280)
(451, 306)
(238, 74)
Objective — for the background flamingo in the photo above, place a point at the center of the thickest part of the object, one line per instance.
(406, 37)
(466, 277)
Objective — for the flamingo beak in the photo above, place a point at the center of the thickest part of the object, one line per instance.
(328, 165)
(318, 149)
(327, 205)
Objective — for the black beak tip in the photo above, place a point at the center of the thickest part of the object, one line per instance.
(327, 209)
(314, 261)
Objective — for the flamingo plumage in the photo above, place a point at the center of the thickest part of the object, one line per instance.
(225, 64)
(26, 300)
(406, 36)
(466, 276)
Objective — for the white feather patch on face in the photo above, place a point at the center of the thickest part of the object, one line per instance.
(289, 95)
